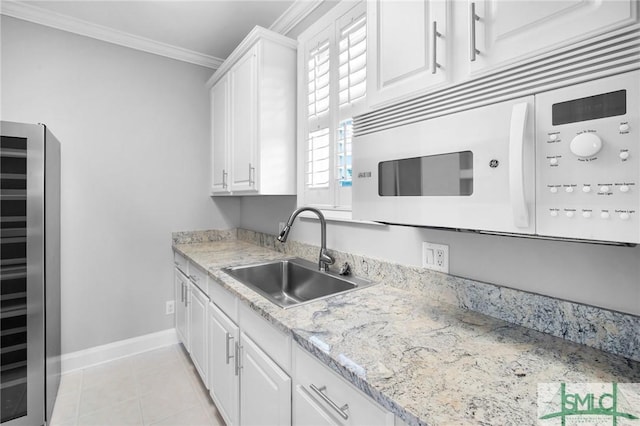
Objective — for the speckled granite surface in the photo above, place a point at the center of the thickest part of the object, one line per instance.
(603, 329)
(428, 361)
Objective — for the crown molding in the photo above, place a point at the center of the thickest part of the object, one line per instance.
(47, 18)
(291, 17)
(256, 34)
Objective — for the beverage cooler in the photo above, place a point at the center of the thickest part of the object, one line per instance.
(30, 273)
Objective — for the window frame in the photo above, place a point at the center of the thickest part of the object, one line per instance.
(334, 201)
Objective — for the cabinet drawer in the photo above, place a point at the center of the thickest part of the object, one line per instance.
(340, 397)
(271, 340)
(180, 261)
(198, 277)
(226, 301)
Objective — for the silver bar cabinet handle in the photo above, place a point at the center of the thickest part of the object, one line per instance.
(434, 48)
(325, 398)
(229, 338)
(252, 171)
(224, 179)
(238, 366)
(182, 292)
(472, 31)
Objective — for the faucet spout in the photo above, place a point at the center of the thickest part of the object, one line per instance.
(324, 258)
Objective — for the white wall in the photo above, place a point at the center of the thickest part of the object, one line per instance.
(134, 131)
(605, 276)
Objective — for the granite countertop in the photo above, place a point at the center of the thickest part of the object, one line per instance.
(429, 363)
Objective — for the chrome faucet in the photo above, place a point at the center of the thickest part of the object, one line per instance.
(325, 259)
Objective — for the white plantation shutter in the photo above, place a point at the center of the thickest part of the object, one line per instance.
(352, 64)
(318, 155)
(318, 86)
(318, 167)
(332, 72)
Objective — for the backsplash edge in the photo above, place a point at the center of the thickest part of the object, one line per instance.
(189, 237)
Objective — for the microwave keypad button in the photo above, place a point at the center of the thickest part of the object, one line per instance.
(553, 189)
(586, 145)
(586, 215)
(569, 189)
(624, 188)
(624, 216)
(553, 161)
(604, 215)
(554, 136)
(604, 189)
(586, 189)
(553, 213)
(569, 214)
(624, 155)
(624, 127)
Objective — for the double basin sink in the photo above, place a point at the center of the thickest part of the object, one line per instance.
(291, 282)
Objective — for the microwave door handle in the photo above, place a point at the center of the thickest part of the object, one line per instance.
(516, 165)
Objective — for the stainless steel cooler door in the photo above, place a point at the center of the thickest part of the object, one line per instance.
(22, 385)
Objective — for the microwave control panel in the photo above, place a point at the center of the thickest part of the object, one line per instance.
(588, 160)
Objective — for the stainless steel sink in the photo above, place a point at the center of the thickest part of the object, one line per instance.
(291, 282)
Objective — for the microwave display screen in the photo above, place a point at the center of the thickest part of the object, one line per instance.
(432, 175)
(599, 106)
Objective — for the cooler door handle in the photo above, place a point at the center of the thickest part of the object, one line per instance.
(516, 165)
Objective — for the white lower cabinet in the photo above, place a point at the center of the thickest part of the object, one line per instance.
(248, 386)
(223, 369)
(197, 309)
(307, 411)
(321, 397)
(191, 313)
(254, 374)
(265, 389)
(181, 288)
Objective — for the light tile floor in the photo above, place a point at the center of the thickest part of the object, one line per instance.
(159, 387)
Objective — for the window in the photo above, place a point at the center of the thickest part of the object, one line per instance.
(332, 59)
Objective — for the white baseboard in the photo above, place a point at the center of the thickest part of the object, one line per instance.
(104, 353)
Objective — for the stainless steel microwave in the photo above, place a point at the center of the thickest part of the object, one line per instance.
(564, 163)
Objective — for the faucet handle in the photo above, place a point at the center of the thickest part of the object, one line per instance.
(345, 269)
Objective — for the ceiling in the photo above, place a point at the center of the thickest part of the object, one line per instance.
(207, 28)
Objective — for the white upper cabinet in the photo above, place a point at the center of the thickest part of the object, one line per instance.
(244, 130)
(219, 132)
(508, 31)
(417, 47)
(253, 118)
(408, 48)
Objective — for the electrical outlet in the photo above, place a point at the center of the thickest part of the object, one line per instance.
(170, 307)
(435, 257)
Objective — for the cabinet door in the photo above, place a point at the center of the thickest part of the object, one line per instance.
(322, 397)
(182, 319)
(507, 31)
(265, 390)
(198, 302)
(244, 108)
(219, 136)
(306, 412)
(223, 374)
(407, 48)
